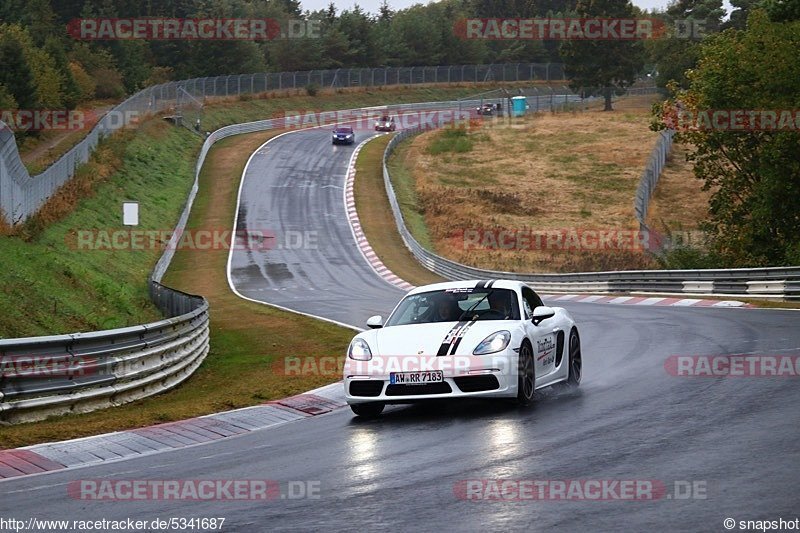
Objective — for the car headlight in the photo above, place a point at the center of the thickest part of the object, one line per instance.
(495, 342)
(359, 350)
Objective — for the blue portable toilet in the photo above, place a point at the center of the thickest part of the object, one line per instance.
(518, 105)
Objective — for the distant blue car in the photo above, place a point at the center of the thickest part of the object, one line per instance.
(343, 135)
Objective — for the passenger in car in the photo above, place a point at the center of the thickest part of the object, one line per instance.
(447, 309)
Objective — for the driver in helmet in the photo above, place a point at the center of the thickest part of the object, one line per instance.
(500, 302)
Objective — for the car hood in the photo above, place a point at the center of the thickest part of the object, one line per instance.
(426, 339)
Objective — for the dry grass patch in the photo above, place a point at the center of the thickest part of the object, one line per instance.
(679, 202)
(548, 171)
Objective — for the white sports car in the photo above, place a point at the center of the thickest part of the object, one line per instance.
(489, 339)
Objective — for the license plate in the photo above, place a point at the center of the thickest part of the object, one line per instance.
(416, 378)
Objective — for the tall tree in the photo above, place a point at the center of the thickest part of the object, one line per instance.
(16, 74)
(687, 22)
(55, 48)
(604, 64)
(754, 172)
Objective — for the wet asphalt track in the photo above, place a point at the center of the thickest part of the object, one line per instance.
(630, 420)
(294, 189)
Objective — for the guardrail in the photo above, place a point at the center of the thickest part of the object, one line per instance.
(80, 372)
(777, 282)
(649, 179)
(21, 195)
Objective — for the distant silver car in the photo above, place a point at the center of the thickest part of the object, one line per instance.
(488, 339)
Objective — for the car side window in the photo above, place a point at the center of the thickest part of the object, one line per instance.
(531, 301)
(528, 310)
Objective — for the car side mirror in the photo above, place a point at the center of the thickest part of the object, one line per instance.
(375, 322)
(542, 313)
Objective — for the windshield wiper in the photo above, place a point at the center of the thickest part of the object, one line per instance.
(471, 309)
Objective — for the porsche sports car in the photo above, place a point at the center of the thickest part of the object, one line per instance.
(490, 339)
(386, 123)
(343, 135)
(485, 109)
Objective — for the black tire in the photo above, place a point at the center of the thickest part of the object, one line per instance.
(575, 368)
(526, 378)
(368, 410)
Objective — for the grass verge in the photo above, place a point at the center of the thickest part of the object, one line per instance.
(69, 285)
(249, 342)
(400, 165)
(375, 215)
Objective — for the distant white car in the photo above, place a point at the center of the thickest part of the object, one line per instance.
(386, 123)
(489, 339)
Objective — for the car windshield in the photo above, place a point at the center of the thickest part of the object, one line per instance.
(343, 130)
(449, 305)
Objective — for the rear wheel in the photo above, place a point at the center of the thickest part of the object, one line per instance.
(367, 410)
(575, 360)
(527, 374)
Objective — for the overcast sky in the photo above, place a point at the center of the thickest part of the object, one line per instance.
(372, 5)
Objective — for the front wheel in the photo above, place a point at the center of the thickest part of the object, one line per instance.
(527, 374)
(575, 360)
(367, 410)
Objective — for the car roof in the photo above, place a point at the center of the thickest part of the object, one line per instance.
(470, 284)
(344, 128)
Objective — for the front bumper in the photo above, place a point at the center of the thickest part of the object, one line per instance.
(492, 376)
(337, 140)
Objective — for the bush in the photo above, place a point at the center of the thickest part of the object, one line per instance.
(108, 83)
(451, 140)
(159, 75)
(686, 258)
(312, 89)
(86, 85)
